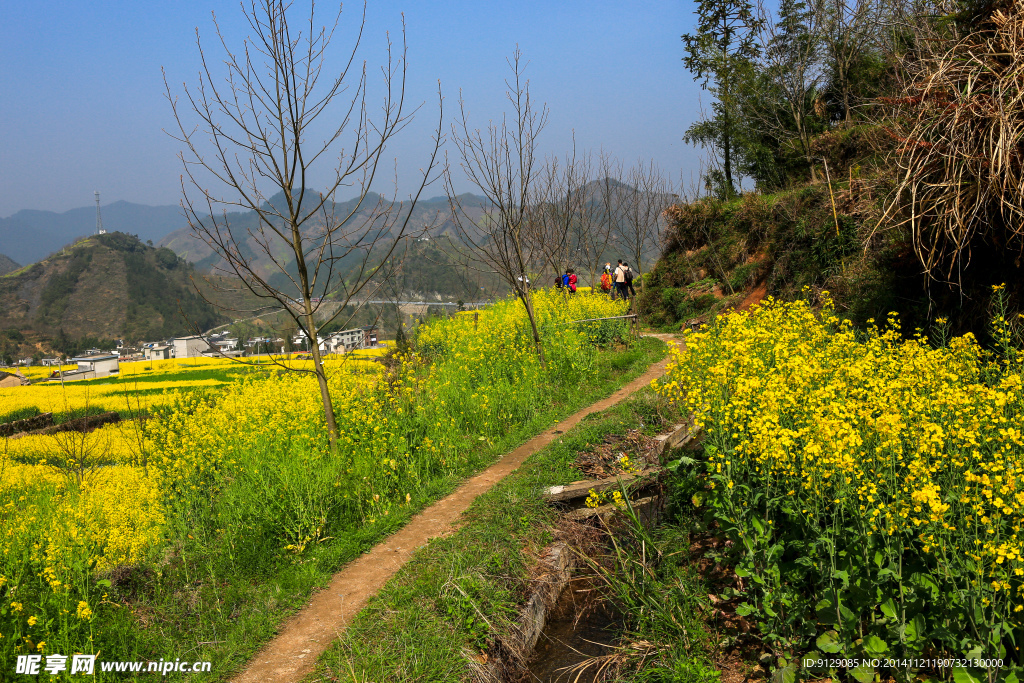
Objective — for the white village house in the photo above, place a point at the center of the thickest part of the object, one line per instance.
(159, 351)
(190, 347)
(90, 366)
(349, 340)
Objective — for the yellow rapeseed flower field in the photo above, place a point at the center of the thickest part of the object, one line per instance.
(838, 458)
(241, 460)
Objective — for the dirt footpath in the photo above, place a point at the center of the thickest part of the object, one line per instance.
(294, 652)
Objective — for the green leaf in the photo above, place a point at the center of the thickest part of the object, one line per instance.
(682, 460)
(826, 611)
(1011, 678)
(875, 646)
(920, 626)
(908, 632)
(879, 558)
(103, 582)
(828, 642)
(745, 610)
(889, 608)
(786, 674)
(962, 675)
(848, 616)
(863, 673)
(843, 576)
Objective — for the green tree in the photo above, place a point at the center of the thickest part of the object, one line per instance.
(718, 55)
(794, 63)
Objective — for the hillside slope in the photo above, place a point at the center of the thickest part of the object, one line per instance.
(7, 265)
(801, 241)
(108, 286)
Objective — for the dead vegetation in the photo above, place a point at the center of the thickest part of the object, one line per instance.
(957, 125)
(605, 459)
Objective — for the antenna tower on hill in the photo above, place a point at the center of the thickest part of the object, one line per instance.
(99, 220)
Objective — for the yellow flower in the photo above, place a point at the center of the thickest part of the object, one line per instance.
(83, 612)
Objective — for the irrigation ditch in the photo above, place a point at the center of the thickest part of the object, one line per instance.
(563, 632)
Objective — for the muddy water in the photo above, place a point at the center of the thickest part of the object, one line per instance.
(566, 643)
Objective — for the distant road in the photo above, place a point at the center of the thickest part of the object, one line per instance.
(270, 309)
(468, 304)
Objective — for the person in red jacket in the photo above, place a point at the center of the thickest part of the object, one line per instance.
(606, 280)
(572, 280)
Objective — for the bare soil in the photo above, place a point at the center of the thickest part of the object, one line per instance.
(302, 639)
(756, 295)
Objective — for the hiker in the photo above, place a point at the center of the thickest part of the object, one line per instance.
(559, 281)
(620, 280)
(629, 275)
(571, 280)
(565, 280)
(606, 280)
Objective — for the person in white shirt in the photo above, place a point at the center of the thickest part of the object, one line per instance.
(620, 280)
(629, 276)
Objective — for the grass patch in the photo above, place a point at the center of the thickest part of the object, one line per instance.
(76, 413)
(221, 374)
(20, 414)
(231, 599)
(459, 593)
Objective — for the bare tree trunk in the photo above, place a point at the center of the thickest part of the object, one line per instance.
(503, 166)
(252, 143)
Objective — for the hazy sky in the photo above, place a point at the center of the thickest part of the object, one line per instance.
(84, 106)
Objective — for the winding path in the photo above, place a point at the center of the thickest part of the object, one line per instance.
(305, 636)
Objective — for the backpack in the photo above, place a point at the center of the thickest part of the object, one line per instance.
(628, 275)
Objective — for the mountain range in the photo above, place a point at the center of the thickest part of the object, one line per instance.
(430, 219)
(29, 236)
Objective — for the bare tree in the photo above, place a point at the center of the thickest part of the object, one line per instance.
(254, 144)
(556, 211)
(645, 196)
(502, 164)
(600, 222)
(848, 30)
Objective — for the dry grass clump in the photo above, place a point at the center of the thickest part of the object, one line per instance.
(958, 125)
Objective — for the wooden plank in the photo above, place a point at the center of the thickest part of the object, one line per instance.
(639, 506)
(581, 489)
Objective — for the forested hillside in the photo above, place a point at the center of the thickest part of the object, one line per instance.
(863, 148)
(106, 286)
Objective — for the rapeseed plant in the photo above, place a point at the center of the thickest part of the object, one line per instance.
(243, 462)
(874, 485)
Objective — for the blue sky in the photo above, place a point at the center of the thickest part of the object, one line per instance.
(84, 106)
